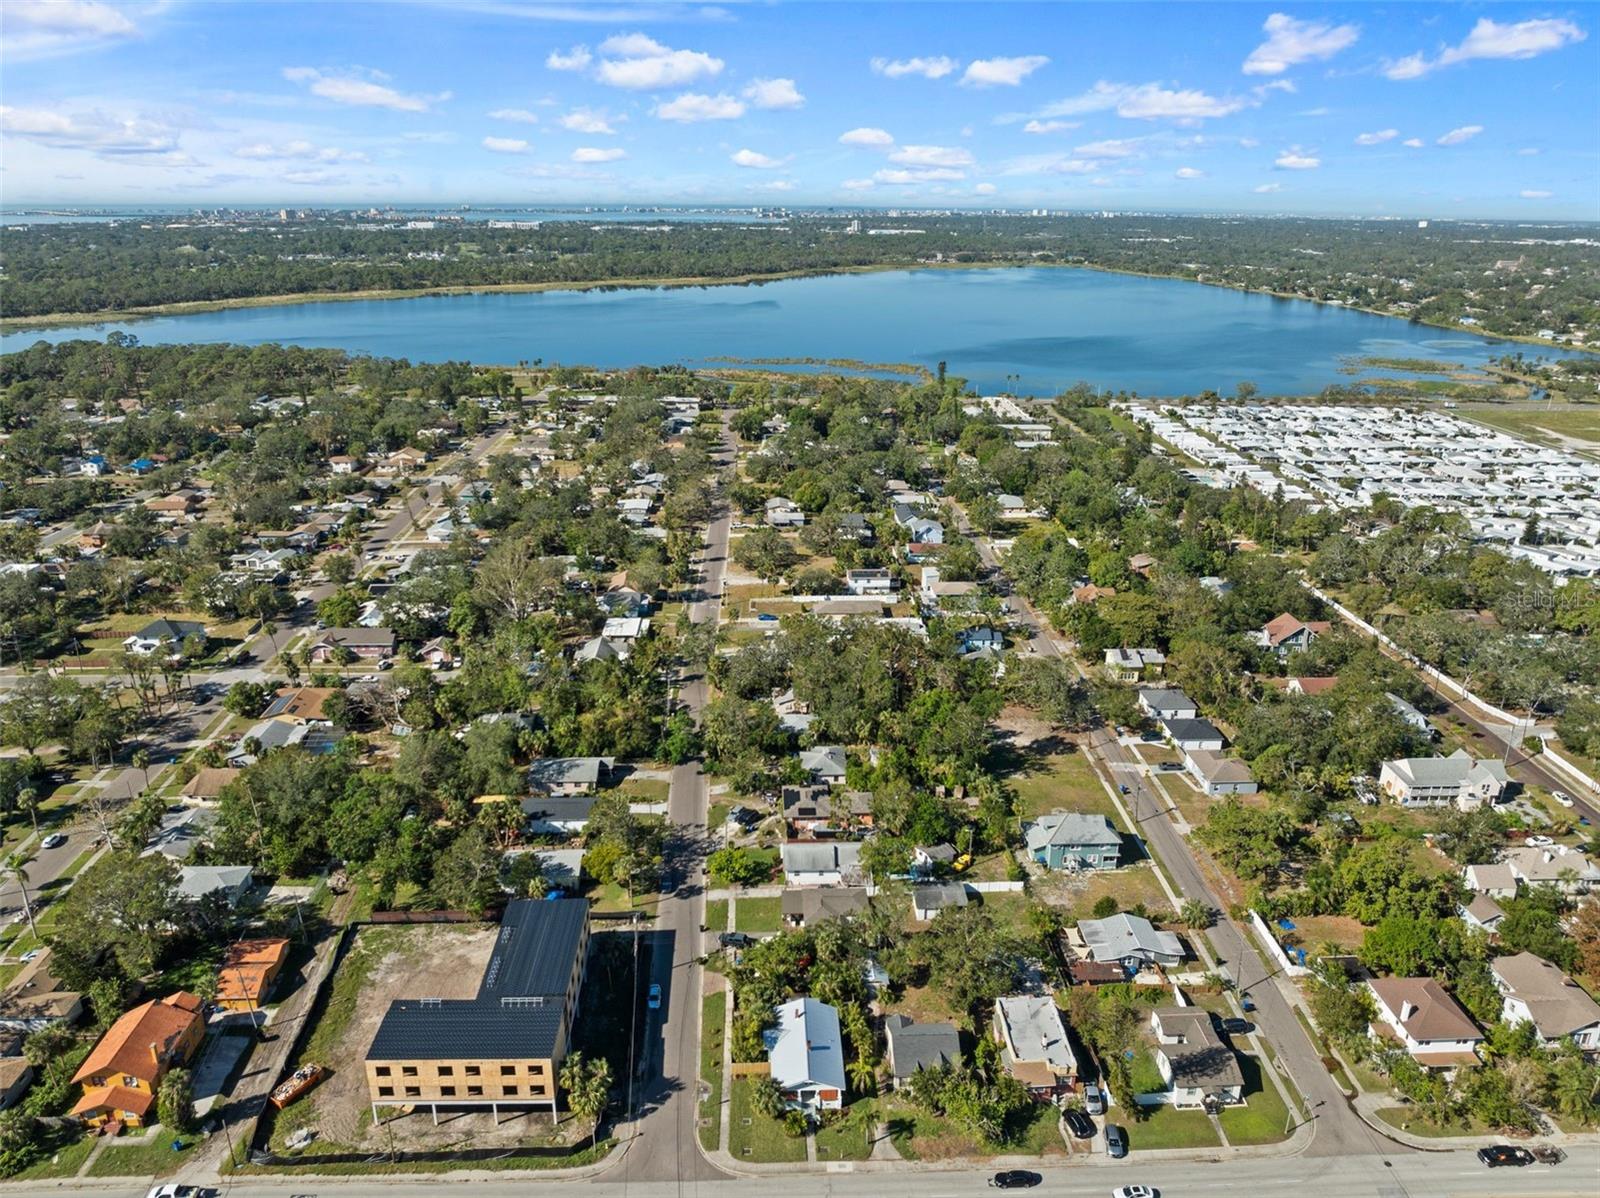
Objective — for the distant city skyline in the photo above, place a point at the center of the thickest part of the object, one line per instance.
(1428, 110)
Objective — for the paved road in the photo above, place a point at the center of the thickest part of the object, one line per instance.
(1338, 1129)
(1424, 1175)
(667, 1146)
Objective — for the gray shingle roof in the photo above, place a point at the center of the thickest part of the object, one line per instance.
(1072, 827)
(914, 1046)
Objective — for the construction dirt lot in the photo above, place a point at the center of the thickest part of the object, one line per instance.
(382, 964)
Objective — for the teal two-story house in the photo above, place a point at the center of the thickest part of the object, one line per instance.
(1071, 840)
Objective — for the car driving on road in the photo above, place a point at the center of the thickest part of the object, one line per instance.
(1498, 1155)
(53, 841)
(1015, 1179)
(653, 1000)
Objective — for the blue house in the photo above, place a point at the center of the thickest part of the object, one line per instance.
(1071, 840)
(141, 466)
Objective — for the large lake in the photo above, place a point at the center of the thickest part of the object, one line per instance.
(1049, 326)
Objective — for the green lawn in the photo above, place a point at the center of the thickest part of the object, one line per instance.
(717, 914)
(646, 790)
(713, 1010)
(155, 1159)
(1408, 1119)
(1168, 1127)
(1066, 781)
(63, 1163)
(758, 914)
(847, 1140)
(1263, 1117)
(752, 1136)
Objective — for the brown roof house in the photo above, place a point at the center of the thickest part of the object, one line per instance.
(1419, 1016)
(1284, 634)
(208, 783)
(369, 644)
(36, 998)
(1535, 991)
(122, 1072)
(1199, 1069)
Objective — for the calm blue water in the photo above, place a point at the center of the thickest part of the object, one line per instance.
(1050, 326)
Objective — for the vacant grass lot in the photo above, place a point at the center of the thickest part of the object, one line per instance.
(1061, 781)
(717, 915)
(155, 1159)
(758, 914)
(752, 1136)
(1581, 423)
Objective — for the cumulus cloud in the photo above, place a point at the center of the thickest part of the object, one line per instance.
(361, 89)
(928, 68)
(266, 151)
(1490, 39)
(902, 177)
(774, 94)
(1148, 101)
(47, 28)
(931, 156)
(1294, 160)
(985, 189)
(1002, 72)
(1531, 193)
(692, 107)
(1377, 138)
(1414, 143)
(505, 145)
(103, 134)
(640, 63)
(1127, 147)
(598, 154)
(1050, 126)
(521, 115)
(588, 120)
(1456, 136)
(756, 161)
(1188, 172)
(1267, 189)
(575, 59)
(866, 136)
(1291, 42)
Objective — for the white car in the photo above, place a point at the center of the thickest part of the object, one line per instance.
(1538, 842)
(1561, 797)
(1135, 1192)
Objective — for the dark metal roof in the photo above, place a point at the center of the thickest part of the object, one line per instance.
(518, 1009)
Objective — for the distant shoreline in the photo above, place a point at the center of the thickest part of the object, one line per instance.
(22, 324)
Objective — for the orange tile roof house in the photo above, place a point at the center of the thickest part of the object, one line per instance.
(249, 969)
(122, 1072)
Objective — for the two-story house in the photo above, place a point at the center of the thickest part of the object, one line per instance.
(1419, 1016)
(1534, 991)
(1072, 840)
(122, 1073)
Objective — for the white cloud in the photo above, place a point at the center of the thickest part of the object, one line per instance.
(928, 68)
(755, 160)
(931, 175)
(1490, 39)
(1267, 189)
(46, 28)
(1275, 85)
(866, 136)
(1378, 138)
(1188, 172)
(1127, 147)
(857, 185)
(521, 115)
(98, 132)
(1148, 101)
(575, 59)
(1294, 160)
(588, 120)
(1049, 164)
(640, 63)
(774, 93)
(1528, 152)
(1248, 143)
(351, 88)
(505, 145)
(299, 149)
(692, 107)
(1530, 193)
(1456, 136)
(931, 156)
(314, 178)
(985, 189)
(776, 185)
(1291, 42)
(1002, 72)
(1414, 143)
(598, 154)
(1050, 126)
(1314, 112)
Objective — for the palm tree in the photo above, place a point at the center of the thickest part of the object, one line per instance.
(863, 1075)
(141, 762)
(1195, 915)
(16, 868)
(28, 800)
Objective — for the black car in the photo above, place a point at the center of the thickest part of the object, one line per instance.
(1504, 1154)
(1116, 1142)
(1079, 1124)
(1238, 1027)
(735, 940)
(1015, 1179)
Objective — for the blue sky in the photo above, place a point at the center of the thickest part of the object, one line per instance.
(1489, 110)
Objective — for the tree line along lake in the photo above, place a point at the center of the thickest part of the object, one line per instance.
(1039, 329)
